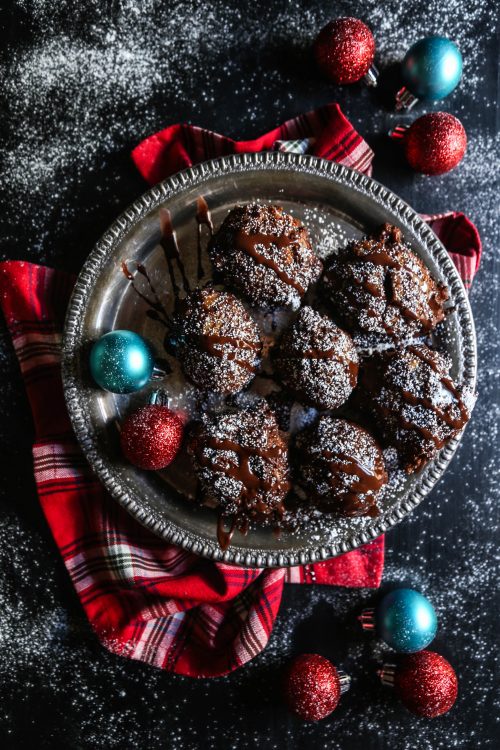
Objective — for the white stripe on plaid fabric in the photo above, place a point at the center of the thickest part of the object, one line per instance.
(294, 147)
(243, 602)
(81, 560)
(252, 638)
(359, 158)
(156, 639)
(208, 622)
(59, 461)
(294, 575)
(37, 349)
(127, 562)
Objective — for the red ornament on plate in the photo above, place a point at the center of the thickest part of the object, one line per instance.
(313, 687)
(433, 144)
(425, 682)
(151, 437)
(344, 50)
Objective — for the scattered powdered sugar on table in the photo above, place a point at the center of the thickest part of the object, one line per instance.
(85, 84)
(72, 87)
(46, 651)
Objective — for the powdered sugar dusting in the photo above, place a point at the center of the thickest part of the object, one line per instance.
(317, 361)
(59, 170)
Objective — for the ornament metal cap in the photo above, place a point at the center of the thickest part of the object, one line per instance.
(158, 398)
(387, 674)
(405, 100)
(371, 77)
(399, 132)
(158, 373)
(367, 618)
(345, 681)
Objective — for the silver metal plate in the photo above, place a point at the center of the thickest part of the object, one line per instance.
(337, 204)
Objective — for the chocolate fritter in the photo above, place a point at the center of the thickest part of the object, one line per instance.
(316, 360)
(379, 285)
(417, 406)
(217, 342)
(265, 254)
(241, 461)
(341, 467)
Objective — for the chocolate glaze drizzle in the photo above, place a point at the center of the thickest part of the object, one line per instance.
(253, 485)
(249, 244)
(213, 344)
(366, 479)
(447, 423)
(157, 311)
(256, 494)
(168, 241)
(259, 496)
(343, 457)
(203, 218)
(446, 382)
(399, 291)
(224, 535)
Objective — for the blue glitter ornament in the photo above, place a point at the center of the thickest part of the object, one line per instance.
(404, 619)
(431, 70)
(121, 362)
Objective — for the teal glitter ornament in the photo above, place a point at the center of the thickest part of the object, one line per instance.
(431, 69)
(404, 619)
(121, 362)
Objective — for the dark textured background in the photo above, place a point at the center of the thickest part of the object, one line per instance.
(72, 108)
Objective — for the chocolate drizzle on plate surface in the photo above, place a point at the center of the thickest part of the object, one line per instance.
(224, 534)
(157, 310)
(168, 241)
(203, 218)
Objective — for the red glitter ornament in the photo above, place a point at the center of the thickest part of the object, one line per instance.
(435, 143)
(313, 687)
(425, 682)
(151, 437)
(344, 50)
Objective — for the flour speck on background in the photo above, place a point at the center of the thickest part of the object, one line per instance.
(82, 84)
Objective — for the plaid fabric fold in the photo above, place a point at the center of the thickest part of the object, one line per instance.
(324, 132)
(145, 599)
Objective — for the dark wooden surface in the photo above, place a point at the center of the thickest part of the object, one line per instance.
(240, 69)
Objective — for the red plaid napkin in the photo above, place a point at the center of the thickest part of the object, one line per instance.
(145, 599)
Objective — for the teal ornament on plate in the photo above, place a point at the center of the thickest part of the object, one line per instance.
(404, 619)
(431, 69)
(121, 362)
